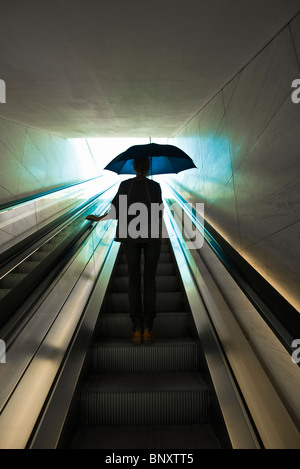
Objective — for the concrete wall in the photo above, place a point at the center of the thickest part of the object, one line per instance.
(245, 143)
(33, 161)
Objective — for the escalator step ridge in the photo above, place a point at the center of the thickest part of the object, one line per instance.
(163, 355)
(163, 268)
(142, 382)
(165, 301)
(165, 257)
(167, 324)
(165, 283)
(145, 398)
(147, 437)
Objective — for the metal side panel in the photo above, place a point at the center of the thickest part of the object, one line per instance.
(36, 356)
(53, 420)
(271, 418)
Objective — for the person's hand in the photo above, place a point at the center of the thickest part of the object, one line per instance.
(92, 218)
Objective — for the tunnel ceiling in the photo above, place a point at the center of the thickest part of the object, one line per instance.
(126, 68)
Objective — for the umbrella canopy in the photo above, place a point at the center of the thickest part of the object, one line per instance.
(164, 159)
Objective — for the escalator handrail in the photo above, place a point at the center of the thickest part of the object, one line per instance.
(16, 203)
(54, 336)
(26, 243)
(60, 256)
(50, 429)
(278, 313)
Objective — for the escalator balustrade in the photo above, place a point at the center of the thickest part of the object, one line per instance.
(13, 278)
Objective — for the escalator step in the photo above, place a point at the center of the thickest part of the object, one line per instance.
(27, 266)
(155, 437)
(12, 279)
(169, 324)
(163, 268)
(4, 292)
(114, 356)
(165, 257)
(145, 399)
(166, 283)
(165, 301)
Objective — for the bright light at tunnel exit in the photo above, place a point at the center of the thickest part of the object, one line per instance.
(98, 152)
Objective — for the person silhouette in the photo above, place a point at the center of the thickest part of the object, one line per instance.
(137, 235)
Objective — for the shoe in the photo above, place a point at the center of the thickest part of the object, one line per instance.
(148, 337)
(137, 337)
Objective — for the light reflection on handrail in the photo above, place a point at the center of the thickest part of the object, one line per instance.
(33, 197)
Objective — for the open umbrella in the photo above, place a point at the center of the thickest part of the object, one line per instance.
(164, 159)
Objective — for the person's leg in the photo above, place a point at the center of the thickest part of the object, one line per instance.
(151, 256)
(133, 259)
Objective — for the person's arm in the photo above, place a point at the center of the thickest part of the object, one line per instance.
(112, 214)
(95, 218)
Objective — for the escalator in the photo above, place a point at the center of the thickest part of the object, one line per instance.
(147, 396)
(86, 385)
